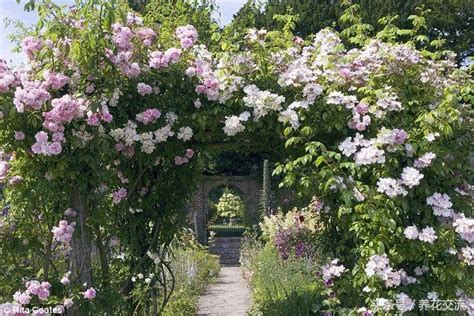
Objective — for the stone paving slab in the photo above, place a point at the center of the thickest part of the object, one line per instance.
(230, 295)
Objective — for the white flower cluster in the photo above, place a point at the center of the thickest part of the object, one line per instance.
(262, 102)
(467, 255)
(332, 269)
(162, 134)
(233, 124)
(424, 161)
(410, 178)
(338, 98)
(289, 116)
(185, 133)
(441, 204)
(464, 226)
(427, 234)
(387, 100)
(367, 154)
(128, 134)
(391, 187)
(379, 265)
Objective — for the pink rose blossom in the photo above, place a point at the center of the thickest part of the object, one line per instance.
(70, 212)
(144, 89)
(90, 293)
(63, 232)
(119, 195)
(148, 116)
(19, 135)
(189, 153)
(31, 45)
(187, 35)
(178, 161)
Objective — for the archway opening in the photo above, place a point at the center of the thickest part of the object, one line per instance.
(227, 211)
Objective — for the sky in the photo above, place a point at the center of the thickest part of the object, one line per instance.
(12, 10)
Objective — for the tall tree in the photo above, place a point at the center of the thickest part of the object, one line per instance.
(450, 19)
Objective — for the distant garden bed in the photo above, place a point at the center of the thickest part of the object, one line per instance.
(221, 230)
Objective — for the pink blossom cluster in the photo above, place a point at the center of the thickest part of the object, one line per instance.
(410, 178)
(187, 36)
(160, 60)
(54, 80)
(464, 226)
(7, 78)
(221, 83)
(427, 234)
(45, 147)
(210, 88)
(360, 120)
(185, 133)
(181, 160)
(65, 109)
(332, 270)
(31, 96)
(63, 232)
(31, 45)
(70, 212)
(146, 35)
(388, 100)
(424, 161)
(122, 37)
(148, 116)
(90, 293)
(123, 61)
(119, 195)
(391, 187)
(33, 287)
(366, 151)
(441, 204)
(262, 102)
(379, 265)
(134, 19)
(19, 135)
(392, 136)
(369, 155)
(144, 89)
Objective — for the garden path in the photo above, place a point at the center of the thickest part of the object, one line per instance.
(230, 294)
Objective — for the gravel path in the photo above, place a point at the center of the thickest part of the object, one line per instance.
(228, 296)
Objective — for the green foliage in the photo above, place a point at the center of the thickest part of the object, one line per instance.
(446, 19)
(227, 231)
(280, 287)
(230, 206)
(170, 14)
(194, 269)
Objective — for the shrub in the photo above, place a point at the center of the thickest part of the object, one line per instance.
(280, 287)
(194, 269)
(230, 206)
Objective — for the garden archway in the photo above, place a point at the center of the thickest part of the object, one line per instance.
(199, 208)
